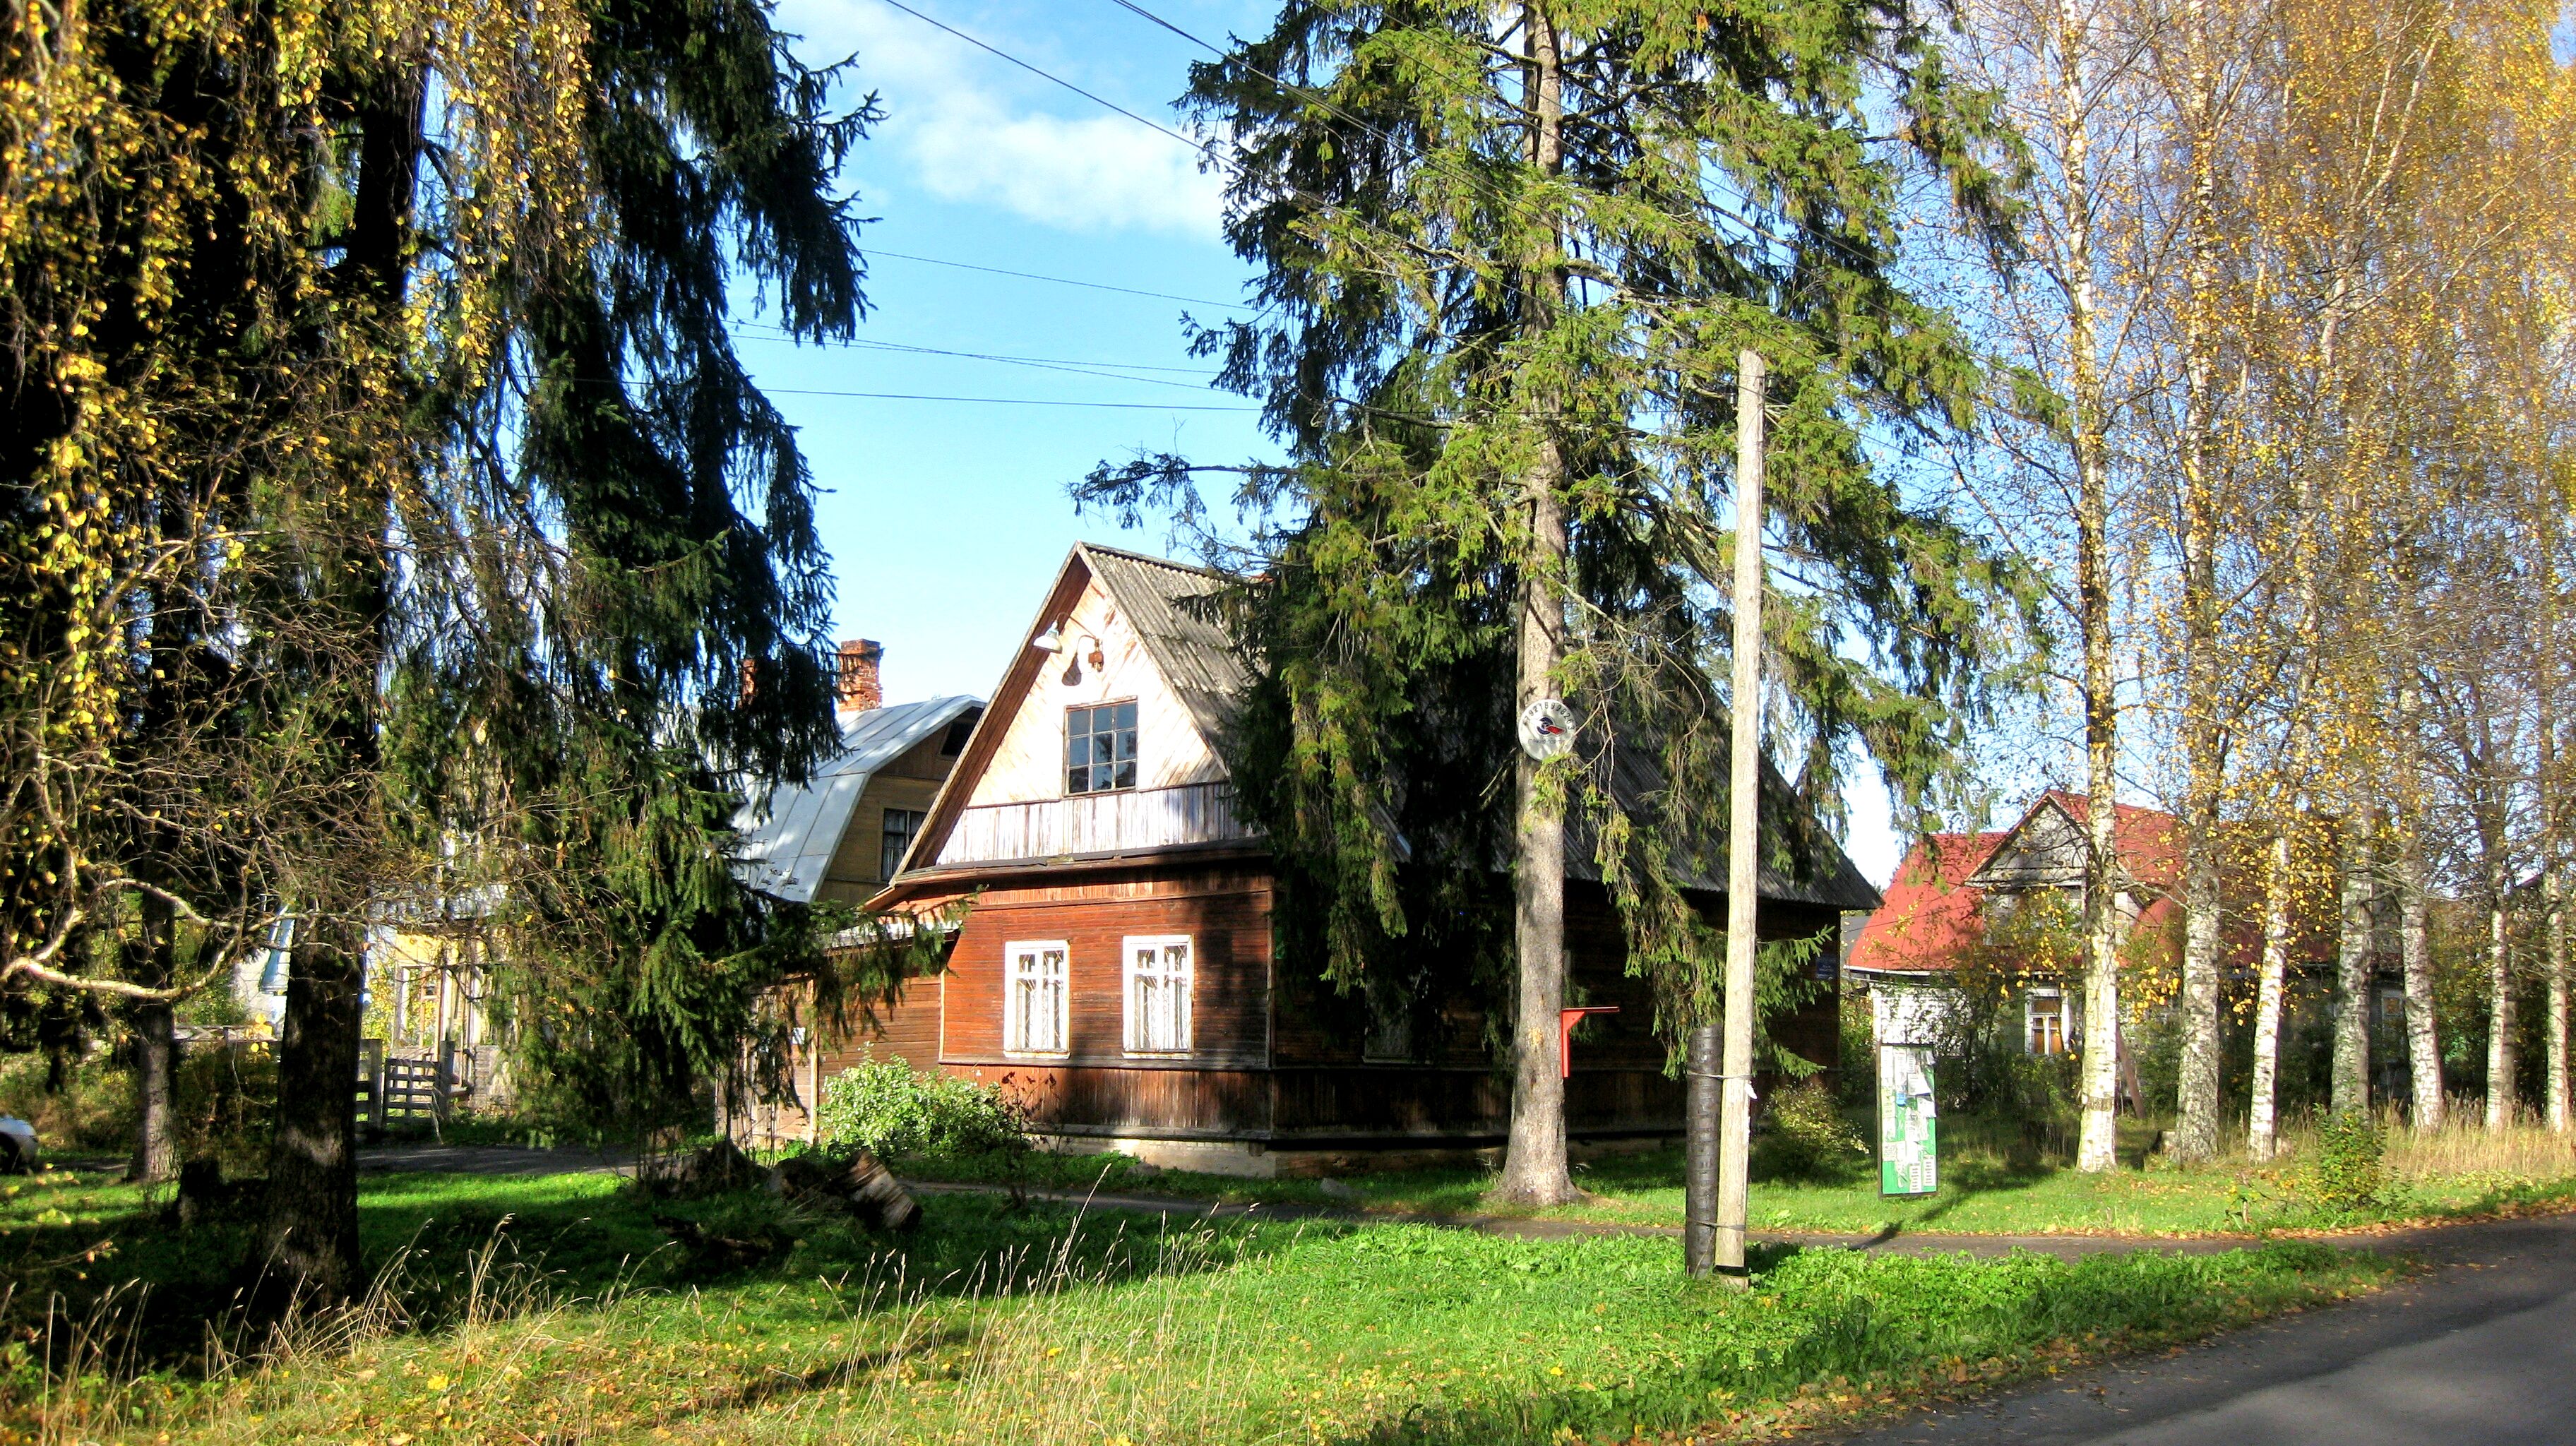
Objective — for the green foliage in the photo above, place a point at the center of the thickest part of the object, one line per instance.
(1450, 322)
(2350, 1172)
(1806, 1136)
(890, 1110)
(223, 1097)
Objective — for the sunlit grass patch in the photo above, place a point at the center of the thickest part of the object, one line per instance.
(1033, 1326)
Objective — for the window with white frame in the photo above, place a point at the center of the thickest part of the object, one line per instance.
(1034, 998)
(1158, 994)
(2044, 1019)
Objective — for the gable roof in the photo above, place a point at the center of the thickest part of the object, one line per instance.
(1196, 657)
(791, 833)
(1200, 662)
(1818, 872)
(2145, 842)
(1930, 914)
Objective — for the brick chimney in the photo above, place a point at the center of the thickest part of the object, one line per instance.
(860, 690)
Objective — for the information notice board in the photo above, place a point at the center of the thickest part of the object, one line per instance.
(1909, 1157)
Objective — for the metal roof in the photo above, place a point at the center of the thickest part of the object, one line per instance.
(1170, 606)
(1797, 860)
(790, 836)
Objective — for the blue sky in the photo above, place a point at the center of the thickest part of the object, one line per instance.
(946, 519)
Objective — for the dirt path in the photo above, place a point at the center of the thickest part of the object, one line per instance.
(490, 1160)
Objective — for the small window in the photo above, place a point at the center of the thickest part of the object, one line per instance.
(1390, 1028)
(2044, 1012)
(1100, 748)
(901, 824)
(958, 733)
(1158, 995)
(1034, 998)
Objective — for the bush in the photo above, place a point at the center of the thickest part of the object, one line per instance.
(885, 1108)
(2351, 1171)
(1805, 1133)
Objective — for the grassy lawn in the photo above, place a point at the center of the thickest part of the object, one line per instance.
(554, 1308)
(1987, 1188)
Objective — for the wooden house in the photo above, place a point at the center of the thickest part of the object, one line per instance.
(839, 836)
(1116, 963)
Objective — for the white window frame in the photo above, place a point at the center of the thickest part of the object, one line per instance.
(1023, 962)
(2030, 1015)
(1155, 971)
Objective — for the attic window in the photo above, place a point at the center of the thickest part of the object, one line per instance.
(901, 824)
(955, 742)
(1100, 747)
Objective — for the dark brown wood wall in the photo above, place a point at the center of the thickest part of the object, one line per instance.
(1225, 911)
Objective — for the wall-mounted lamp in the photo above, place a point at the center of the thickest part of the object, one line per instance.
(1099, 659)
(1050, 641)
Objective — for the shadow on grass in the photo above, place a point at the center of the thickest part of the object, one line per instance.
(446, 1244)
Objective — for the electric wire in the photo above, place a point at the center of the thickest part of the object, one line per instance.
(1053, 364)
(1005, 401)
(874, 252)
(1317, 99)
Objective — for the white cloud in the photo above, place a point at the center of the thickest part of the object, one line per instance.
(961, 123)
(1103, 173)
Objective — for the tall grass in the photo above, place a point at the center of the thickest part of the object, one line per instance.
(1036, 1351)
(1031, 1346)
(2525, 1149)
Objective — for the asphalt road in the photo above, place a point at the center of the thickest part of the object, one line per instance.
(2480, 1352)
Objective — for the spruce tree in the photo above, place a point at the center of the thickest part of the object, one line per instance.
(1506, 268)
(423, 310)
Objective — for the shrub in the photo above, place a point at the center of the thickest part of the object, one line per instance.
(1805, 1132)
(885, 1108)
(2351, 1171)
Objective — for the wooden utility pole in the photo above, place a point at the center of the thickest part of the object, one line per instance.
(1743, 836)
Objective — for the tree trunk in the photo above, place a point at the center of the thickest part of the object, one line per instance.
(1534, 1165)
(310, 1241)
(2553, 886)
(2353, 972)
(2262, 1125)
(2204, 734)
(2501, 1060)
(2423, 1037)
(2096, 1147)
(156, 1056)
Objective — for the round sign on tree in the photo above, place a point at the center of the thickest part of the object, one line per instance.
(1547, 729)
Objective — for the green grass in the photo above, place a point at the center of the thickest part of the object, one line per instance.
(1988, 1188)
(554, 1308)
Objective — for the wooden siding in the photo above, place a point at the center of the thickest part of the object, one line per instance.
(906, 1032)
(1123, 822)
(1028, 764)
(1103, 1099)
(1226, 915)
(909, 782)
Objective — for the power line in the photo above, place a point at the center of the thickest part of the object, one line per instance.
(1004, 401)
(873, 253)
(1315, 98)
(1045, 75)
(1053, 364)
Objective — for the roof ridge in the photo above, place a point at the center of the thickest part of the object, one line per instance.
(1132, 555)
